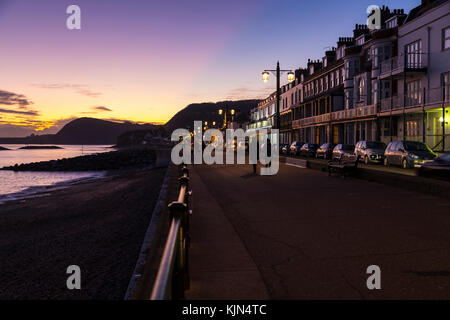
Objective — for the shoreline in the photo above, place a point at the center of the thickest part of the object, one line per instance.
(41, 191)
(98, 224)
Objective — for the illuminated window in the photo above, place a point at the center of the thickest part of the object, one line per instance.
(414, 54)
(413, 93)
(446, 38)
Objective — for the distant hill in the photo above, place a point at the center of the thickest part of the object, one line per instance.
(95, 131)
(83, 131)
(209, 112)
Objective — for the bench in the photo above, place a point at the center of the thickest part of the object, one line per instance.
(345, 166)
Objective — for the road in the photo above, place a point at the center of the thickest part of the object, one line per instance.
(371, 166)
(304, 235)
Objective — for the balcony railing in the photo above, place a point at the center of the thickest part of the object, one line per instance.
(337, 115)
(396, 64)
(437, 95)
(434, 96)
(391, 103)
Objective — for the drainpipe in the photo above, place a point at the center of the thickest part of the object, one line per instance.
(424, 117)
(405, 88)
(443, 118)
(428, 58)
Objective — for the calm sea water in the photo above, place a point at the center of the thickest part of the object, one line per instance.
(14, 185)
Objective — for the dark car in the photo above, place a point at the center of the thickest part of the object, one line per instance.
(308, 150)
(284, 147)
(295, 147)
(370, 151)
(343, 150)
(439, 168)
(408, 154)
(325, 151)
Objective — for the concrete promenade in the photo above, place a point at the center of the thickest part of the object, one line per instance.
(304, 235)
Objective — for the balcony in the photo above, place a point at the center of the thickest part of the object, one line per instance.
(432, 97)
(359, 112)
(395, 66)
(391, 103)
(437, 96)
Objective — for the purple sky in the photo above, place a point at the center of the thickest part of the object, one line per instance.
(145, 60)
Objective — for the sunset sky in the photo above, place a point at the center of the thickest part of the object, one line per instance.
(144, 60)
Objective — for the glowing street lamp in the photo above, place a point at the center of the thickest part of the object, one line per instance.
(291, 76)
(225, 112)
(278, 71)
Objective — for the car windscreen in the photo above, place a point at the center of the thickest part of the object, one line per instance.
(375, 145)
(348, 147)
(415, 146)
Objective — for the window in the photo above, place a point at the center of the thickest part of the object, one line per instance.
(446, 38)
(381, 54)
(360, 92)
(412, 128)
(446, 85)
(414, 55)
(387, 89)
(392, 23)
(413, 93)
(352, 68)
(374, 91)
(332, 79)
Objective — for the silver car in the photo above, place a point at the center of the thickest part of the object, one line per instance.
(408, 154)
(370, 151)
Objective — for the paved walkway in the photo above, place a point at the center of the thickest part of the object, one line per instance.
(304, 235)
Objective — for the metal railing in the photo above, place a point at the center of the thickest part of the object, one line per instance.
(414, 61)
(173, 273)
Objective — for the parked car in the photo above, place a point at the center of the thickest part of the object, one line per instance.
(308, 150)
(295, 147)
(370, 151)
(284, 147)
(242, 145)
(325, 151)
(408, 154)
(439, 168)
(343, 150)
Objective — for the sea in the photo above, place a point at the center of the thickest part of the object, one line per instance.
(18, 185)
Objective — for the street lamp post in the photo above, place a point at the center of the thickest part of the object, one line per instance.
(278, 71)
(225, 112)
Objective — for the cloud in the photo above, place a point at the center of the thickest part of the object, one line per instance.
(77, 88)
(244, 92)
(27, 113)
(10, 99)
(101, 108)
(25, 127)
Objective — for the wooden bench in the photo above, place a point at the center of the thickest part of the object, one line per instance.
(345, 166)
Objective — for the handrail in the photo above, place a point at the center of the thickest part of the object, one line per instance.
(173, 273)
(162, 288)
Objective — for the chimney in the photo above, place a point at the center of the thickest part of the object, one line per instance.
(359, 30)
